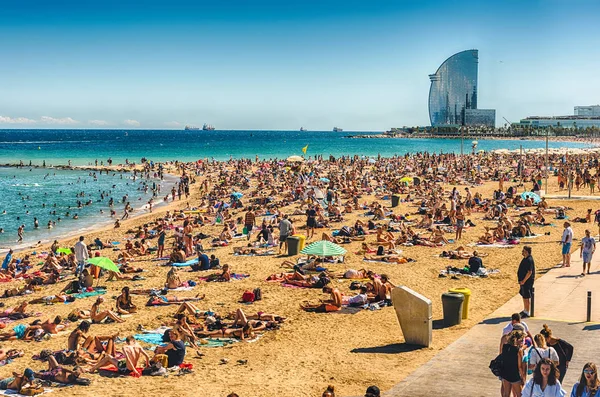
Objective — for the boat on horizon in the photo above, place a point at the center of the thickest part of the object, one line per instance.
(337, 129)
(208, 127)
(191, 128)
(302, 129)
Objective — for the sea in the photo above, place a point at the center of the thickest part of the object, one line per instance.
(41, 191)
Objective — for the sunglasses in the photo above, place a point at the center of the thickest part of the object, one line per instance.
(589, 371)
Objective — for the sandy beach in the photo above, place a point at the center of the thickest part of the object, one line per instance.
(310, 350)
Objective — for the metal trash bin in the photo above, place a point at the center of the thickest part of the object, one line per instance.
(395, 200)
(467, 293)
(452, 304)
(293, 244)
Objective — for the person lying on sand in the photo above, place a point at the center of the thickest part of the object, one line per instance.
(51, 299)
(58, 374)
(163, 300)
(325, 306)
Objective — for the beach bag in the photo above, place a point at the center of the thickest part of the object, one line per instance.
(248, 297)
(257, 294)
(496, 365)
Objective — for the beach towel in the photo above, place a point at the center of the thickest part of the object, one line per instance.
(188, 263)
(495, 245)
(267, 253)
(90, 293)
(16, 394)
(181, 289)
(112, 368)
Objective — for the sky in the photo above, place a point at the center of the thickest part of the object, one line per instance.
(282, 65)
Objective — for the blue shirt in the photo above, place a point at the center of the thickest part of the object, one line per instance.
(586, 392)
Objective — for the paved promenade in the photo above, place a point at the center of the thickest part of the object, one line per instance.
(462, 368)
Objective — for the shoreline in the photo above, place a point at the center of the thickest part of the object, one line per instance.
(93, 226)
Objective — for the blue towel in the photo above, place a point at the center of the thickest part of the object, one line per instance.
(188, 263)
(155, 339)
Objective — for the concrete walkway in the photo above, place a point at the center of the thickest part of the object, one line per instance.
(560, 302)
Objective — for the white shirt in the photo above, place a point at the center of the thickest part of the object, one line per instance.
(81, 252)
(536, 391)
(508, 329)
(548, 352)
(567, 236)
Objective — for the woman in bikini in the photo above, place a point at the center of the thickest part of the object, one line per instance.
(124, 305)
(98, 316)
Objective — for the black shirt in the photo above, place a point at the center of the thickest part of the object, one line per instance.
(526, 266)
(475, 264)
(176, 354)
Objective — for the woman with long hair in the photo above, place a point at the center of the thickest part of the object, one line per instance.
(563, 348)
(588, 384)
(544, 382)
(512, 373)
(124, 305)
(541, 350)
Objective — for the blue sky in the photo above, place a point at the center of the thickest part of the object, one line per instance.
(359, 65)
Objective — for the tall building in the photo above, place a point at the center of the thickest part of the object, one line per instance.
(453, 93)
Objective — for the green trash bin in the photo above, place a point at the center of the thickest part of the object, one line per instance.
(395, 200)
(293, 244)
(452, 305)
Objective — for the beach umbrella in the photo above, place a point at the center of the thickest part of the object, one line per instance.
(237, 195)
(66, 251)
(104, 263)
(323, 248)
(372, 161)
(295, 159)
(536, 199)
(324, 180)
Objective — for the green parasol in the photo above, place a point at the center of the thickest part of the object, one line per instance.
(66, 251)
(323, 248)
(105, 263)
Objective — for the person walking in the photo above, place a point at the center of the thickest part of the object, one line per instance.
(563, 348)
(566, 241)
(588, 247)
(81, 255)
(512, 373)
(526, 277)
(544, 382)
(588, 385)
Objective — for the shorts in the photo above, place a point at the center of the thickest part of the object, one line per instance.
(283, 237)
(311, 222)
(566, 249)
(460, 223)
(5, 382)
(19, 330)
(587, 257)
(248, 228)
(526, 290)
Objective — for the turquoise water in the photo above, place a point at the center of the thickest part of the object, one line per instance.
(85, 146)
(43, 191)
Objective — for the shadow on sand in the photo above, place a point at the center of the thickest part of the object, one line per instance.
(393, 348)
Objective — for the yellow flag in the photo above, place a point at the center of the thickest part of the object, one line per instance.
(304, 149)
